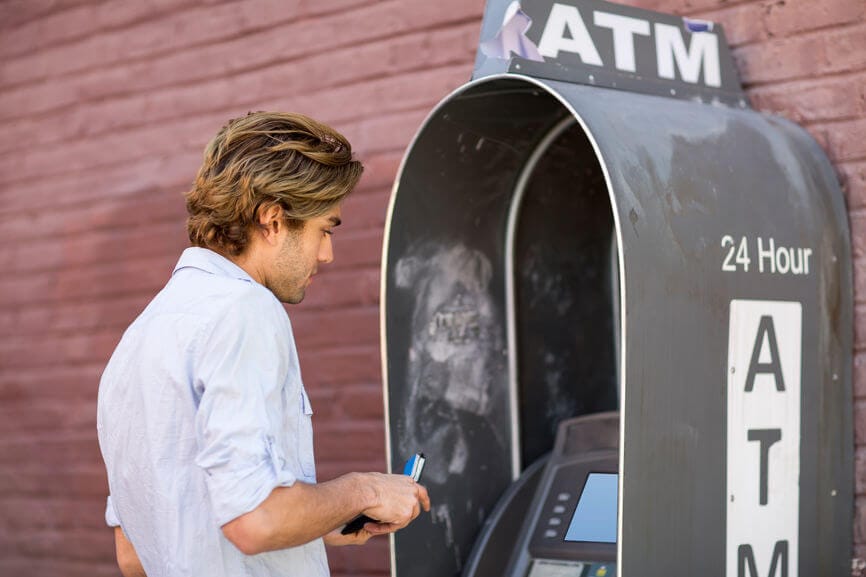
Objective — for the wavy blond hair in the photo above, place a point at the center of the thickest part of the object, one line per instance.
(261, 160)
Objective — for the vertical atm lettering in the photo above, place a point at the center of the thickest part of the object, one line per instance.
(763, 449)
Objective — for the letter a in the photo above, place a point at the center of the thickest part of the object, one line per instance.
(774, 367)
(567, 18)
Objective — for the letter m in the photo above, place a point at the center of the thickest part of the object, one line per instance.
(745, 556)
(703, 52)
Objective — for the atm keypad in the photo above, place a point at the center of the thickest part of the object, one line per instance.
(561, 502)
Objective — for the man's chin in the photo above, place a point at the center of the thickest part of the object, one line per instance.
(291, 298)
(294, 299)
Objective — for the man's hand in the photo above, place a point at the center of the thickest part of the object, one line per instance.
(398, 500)
(336, 539)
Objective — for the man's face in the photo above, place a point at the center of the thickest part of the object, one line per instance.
(300, 254)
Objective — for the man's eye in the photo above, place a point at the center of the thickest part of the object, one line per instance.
(328, 232)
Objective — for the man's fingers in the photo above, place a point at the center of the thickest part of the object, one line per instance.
(383, 528)
(423, 497)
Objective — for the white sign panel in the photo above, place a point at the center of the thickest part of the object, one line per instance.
(763, 449)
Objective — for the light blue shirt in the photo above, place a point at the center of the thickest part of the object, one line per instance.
(201, 414)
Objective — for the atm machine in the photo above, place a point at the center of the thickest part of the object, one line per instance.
(617, 313)
(559, 519)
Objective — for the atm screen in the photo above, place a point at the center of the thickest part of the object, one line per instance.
(594, 518)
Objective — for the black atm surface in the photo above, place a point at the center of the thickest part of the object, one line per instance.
(560, 518)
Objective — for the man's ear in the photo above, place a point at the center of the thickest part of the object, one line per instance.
(270, 221)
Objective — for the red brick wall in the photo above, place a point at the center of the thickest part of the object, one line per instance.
(104, 109)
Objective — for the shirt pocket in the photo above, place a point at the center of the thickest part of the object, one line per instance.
(305, 438)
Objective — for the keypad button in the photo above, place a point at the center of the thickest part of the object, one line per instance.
(554, 521)
(550, 533)
(559, 509)
(563, 497)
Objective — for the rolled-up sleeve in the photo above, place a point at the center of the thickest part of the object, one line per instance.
(241, 374)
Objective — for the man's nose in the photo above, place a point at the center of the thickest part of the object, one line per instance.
(326, 250)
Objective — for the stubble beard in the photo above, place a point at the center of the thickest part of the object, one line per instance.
(291, 279)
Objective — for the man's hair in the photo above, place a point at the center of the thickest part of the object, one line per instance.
(262, 160)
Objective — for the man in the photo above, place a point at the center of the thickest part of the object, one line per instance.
(203, 420)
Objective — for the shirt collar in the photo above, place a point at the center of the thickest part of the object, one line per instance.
(211, 262)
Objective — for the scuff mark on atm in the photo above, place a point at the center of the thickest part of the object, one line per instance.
(454, 355)
(442, 514)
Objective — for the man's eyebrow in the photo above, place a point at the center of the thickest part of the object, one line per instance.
(335, 221)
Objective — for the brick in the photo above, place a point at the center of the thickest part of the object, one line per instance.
(76, 545)
(16, 13)
(139, 147)
(140, 179)
(330, 289)
(854, 183)
(96, 281)
(39, 512)
(789, 18)
(860, 471)
(42, 351)
(67, 382)
(57, 452)
(243, 51)
(386, 134)
(803, 56)
(860, 519)
(420, 90)
(367, 208)
(860, 365)
(154, 208)
(363, 403)
(111, 150)
(80, 102)
(48, 567)
(64, 26)
(174, 31)
(357, 249)
(349, 441)
(315, 329)
(860, 423)
(372, 558)
(323, 401)
(783, 59)
(812, 100)
(846, 140)
(331, 469)
(742, 23)
(683, 7)
(102, 246)
(392, 94)
(81, 480)
(64, 318)
(342, 366)
(858, 233)
(379, 172)
(45, 415)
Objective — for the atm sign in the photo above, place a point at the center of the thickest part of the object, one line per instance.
(763, 438)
